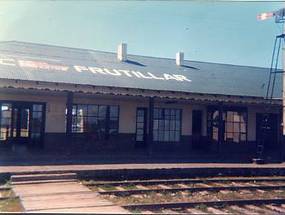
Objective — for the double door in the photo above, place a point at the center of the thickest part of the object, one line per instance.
(21, 122)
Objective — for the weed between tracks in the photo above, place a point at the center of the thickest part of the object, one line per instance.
(10, 205)
(7, 193)
(107, 187)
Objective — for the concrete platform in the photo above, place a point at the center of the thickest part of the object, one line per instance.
(150, 169)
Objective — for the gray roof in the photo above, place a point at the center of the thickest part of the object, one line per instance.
(208, 78)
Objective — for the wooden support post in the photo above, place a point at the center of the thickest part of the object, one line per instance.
(221, 128)
(69, 104)
(150, 125)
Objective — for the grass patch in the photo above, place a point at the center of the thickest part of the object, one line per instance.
(130, 187)
(7, 193)
(107, 187)
(6, 183)
(201, 207)
(11, 205)
(135, 211)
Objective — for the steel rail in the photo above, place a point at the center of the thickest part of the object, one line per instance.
(5, 188)
(190, 189)
(149, 206)
(3, 198)
(175, 181)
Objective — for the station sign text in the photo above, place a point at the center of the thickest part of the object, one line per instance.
(43, 65)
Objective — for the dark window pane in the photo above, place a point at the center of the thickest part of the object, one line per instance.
(177, 136)
(37, 107)
(113, 124)
(172, 135)
(155, 124)
(139, 138)
(92, 110)
(166, 114)
(80, 124)
(155, 113)
(243, 127)
(74, 112)
(155, 135)
(172, 125)
(140, 119)
(166, 135)
(140, 125)
(37, 115)
(161, 124)
(139, 132)
(159, 113)
(82, 110)
(92, 124)
(102, 111)
(113, 131)
(114, 111)
(177, 125)
(243, 137)
(167, 125)
(160, 135)
(5, 122)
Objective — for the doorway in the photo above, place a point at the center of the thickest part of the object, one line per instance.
(267, 130)
(197, 129)
(21, 122)
(141, 127)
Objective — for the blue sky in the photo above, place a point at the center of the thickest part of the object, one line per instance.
(213, 31)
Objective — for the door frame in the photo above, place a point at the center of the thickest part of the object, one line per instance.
(18, 139)
(144, 141)
(258, 132)
(196, 137)
(22, 105)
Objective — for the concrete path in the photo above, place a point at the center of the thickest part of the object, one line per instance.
(63, 197)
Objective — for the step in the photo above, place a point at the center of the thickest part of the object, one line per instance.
(36, 177)
(43, 181)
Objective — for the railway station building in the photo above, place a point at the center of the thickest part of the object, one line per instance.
(66, 99)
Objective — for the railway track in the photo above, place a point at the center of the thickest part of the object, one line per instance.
(190, 189)
(239, 195)
(195, 180)
(181, 205)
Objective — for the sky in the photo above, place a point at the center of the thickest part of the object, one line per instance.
(212, 31)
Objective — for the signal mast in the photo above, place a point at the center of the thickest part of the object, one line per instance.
(279, 16)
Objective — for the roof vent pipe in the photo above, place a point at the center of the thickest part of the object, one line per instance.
(179, 58)
(122, 52)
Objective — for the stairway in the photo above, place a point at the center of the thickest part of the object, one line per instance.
(43, 178)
